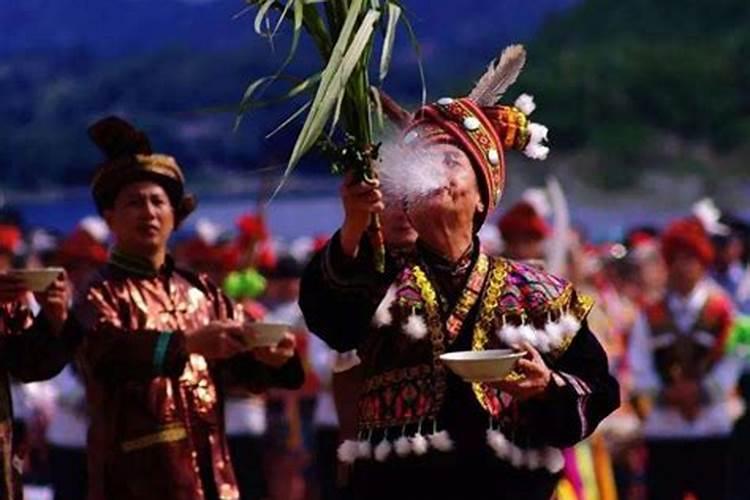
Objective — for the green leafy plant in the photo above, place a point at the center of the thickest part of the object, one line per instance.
(342, 107)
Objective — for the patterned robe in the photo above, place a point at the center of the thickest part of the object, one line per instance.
(158, 431)
(481, 441)
(29, 353)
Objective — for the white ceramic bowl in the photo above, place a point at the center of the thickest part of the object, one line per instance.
(482, 366)
(266, 334)
(37, 280)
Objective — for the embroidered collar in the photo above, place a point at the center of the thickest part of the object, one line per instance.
(138, 265)
(440, 264)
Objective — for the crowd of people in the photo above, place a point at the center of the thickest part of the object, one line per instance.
(136, 373)
(283, 444)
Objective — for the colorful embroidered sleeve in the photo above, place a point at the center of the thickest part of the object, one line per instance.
(541, 309)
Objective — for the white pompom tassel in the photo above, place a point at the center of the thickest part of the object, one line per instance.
(517, 456)
(364, 449)
(553, 460)
(533, 459)
(510, 335)
(347, 451)
(527, 334)
(498, 443)
(419, 444)
(402, 446)
(554, 334)
(570, 324)
(536, 149)
(525, 103)
(542, 341)
(415, 327)
(382, 450)
(383, 316)
(441, 441)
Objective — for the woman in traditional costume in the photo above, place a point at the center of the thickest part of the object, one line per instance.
(423, 431)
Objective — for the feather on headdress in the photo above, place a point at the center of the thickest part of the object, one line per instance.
(500, 75)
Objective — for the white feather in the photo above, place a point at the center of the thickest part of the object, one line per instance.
(441, 441)
(364, 449)
(525, 103)
(347, 451)
(535, 149)
(383, 315)
(419, 444)
(382, 450)
(402, 446)
(415, 327)
(498, 77)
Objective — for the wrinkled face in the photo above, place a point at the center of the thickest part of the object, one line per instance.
(685, 271)
(141, 218)
(453, 205)
(398, 233)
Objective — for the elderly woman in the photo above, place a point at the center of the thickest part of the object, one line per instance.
(423, 431)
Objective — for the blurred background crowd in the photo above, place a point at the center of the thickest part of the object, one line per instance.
(284, 443)
(647, 102)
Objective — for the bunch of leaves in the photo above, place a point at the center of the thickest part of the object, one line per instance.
(341, 98)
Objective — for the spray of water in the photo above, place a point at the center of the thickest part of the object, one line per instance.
(410, 172)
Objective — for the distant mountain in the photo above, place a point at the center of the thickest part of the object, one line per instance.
(170, 65)
(124, 27)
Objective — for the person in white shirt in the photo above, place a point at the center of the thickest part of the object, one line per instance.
(682, 377)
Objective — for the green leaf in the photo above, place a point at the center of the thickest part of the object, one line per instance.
(417, 51)
(337, 54)
(298, 89)
(333, 83)
(261, 15)
(289, 120)
(338, 83)
(247, 98)
(313, 23)
(284, 12)
(336, 114)
(378, 104)
(394, 13)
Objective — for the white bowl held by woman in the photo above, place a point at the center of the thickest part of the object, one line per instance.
(482, 366)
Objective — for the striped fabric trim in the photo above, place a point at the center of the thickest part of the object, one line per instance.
(169, 434)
